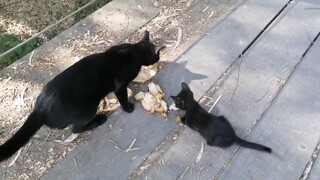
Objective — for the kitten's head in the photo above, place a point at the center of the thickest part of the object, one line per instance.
(184, 95)
(149, 51)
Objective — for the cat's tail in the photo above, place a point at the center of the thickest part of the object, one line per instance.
(21, 137)
(251, 145)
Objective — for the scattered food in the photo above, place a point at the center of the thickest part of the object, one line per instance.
(175, 136)
(152, 101)
(173, 107)
(178, 118)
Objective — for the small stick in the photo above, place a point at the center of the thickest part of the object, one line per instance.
(75, 162)
(15, 158)
(139, 6)
(7, 80)
(215, 103)
(211, 14)
(312, 8)
(117, 146)
(200, 154)
(179, 37)
(129, 148)
(158, 173)
(184, 172)
(48, 136)
(200, 172)
(206, 8)
(30, 59)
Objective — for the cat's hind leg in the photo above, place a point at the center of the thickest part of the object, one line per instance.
(98, 120)
(222, 142)
(82, 126)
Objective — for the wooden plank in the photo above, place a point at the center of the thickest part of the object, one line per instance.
(108, 162)
(107, 26)
(174, 154)
(291, 126)
(315, 171)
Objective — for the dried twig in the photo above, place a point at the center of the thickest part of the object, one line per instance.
(140, 7)
(20, 100)
(49, 134)
(215, 103)
(310, 8)
(75, 162)
(200, 172)
(15, 158)
(158, 173)
(117, 146)
(7, 80)
(184, 172)
(206, 8)
(211, 14)
(162, 18)
(179, 37)
(200, 154)
(130, 147)
(30, 59)
(238, 79)
(71, 138)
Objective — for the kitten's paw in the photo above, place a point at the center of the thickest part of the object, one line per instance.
(129, 107)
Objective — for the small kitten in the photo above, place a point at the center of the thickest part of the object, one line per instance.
(72, 97)
(217, 130)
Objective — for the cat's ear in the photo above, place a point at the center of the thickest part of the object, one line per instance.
(185, 87)
(145, 37)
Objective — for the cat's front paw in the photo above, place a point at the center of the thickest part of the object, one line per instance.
(129, 107)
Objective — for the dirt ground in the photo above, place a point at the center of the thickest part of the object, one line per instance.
(26, 18)
(176, 26)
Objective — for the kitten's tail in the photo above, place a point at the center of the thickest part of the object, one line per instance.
(21, 137)
(251, 145)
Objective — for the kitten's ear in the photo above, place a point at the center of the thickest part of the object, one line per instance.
(174, 97)
(185, 86)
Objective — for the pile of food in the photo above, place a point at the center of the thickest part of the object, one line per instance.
(152, 100)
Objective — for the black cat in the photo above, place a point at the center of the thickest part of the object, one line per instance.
(217, 130)
(72, 97)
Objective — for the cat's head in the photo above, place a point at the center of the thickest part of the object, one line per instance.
(149, 51)
(184, 95)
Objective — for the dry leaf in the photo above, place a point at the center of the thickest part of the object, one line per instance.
(139, 96)
(178, 118)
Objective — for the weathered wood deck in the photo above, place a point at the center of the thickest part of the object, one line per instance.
(263, 58)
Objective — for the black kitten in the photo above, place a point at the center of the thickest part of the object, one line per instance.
(72, 97)
(217, 130)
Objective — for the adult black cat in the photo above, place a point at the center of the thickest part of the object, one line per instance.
(217, 130)
(72, 97)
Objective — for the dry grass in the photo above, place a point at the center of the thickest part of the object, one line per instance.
(25, 18)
